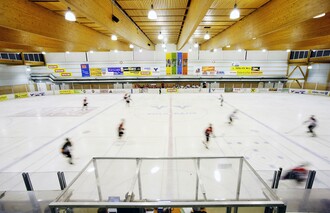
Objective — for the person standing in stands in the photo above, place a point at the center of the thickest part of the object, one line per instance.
(85, 104)
(66, 149)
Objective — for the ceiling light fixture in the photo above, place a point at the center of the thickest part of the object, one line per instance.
(131, 46)
(91, 51)
(264, 50)
(165, 50)
(215, 49)
(163, 45)
(152, 13)
(160, 36)
(69, 15)
(239, 50)
(44, 53)
(234, 13)
(320, 15)
(207, 36)
(254, 38)
(288, 50)
(67, 52)
(228, 46)
(196, 45)
(114, 37)
(116, 51)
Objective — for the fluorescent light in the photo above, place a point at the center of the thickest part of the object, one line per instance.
(207, 36)
(254, 38)
(91, 51)
(114, 37)
(152, 13)
(44, 53)
(234, 13)
(67, 52)
(310, 67)
(228, 46)
(160, 36)
(320, 15)
(196, 45)
(116, 51)
(239, 50)
(69, 15)
(288, 50)
(215, 49)
(131, 46)
(264, 50)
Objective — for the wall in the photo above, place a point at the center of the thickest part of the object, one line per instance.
(271, 62)
(13, 75)
(318, 76)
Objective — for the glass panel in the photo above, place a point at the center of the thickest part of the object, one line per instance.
(319, 53)
(4, 56)
(27, 201)
(11, 181)
(301, 54)
(166, 181)
(36, 57)
(326, 53)
(12, 56)
(31, 58)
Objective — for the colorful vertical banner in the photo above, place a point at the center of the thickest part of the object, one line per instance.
(174, 71)
(179, 63)
(85, 70)
(185, 63)
(168, 64)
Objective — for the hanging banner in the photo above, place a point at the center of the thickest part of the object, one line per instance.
(96, 71)
(85, 70)
(52, 66)
(173, 66)
(66, 74)
(115, 71)
(246, 70)
(3, 97)
(179, 63)
(59, 70)
(185, 64)
(168, 64)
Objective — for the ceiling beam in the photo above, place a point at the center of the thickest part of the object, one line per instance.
(197, 11)
(101, 12)
(20, 15)
(273, 16)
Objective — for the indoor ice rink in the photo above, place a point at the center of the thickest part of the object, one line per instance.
(268, 130)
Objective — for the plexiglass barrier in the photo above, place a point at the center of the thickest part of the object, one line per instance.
(13, 181)
(168, 182)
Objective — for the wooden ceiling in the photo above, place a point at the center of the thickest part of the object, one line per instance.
(39, 25)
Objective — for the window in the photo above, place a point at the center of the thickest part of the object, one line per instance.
(4, 56)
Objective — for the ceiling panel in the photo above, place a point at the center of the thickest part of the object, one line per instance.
(176, 21)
